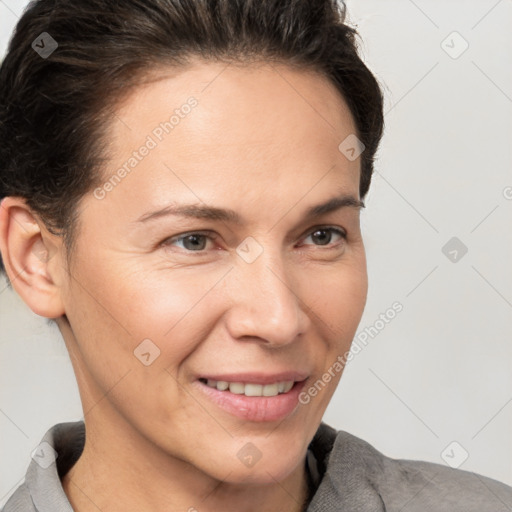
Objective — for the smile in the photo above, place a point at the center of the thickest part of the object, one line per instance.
(250, 388)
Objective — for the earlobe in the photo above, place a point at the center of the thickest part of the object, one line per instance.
(27, 250)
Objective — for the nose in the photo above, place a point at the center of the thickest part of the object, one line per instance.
(265, 301)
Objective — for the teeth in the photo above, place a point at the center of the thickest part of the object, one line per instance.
(237, 388)
(222, 385)
(250, 389)
(270, 389)
(288, 385)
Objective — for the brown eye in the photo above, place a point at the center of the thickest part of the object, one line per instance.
(323, 235)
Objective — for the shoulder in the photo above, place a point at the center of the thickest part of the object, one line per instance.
(42, 489)
(357, 475)
(20, 501)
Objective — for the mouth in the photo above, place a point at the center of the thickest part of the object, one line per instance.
(250, 388)
(253, 397)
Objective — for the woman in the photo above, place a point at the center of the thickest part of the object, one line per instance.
(135, 130)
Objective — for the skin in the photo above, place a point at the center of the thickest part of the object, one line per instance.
(263, 141)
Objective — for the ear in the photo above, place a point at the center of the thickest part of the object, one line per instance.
(31, 257)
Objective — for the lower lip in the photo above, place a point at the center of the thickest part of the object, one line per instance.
(255, 408)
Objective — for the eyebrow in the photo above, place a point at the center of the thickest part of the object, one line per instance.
(199, 211)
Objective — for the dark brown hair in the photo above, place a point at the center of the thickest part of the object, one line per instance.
(55, 108)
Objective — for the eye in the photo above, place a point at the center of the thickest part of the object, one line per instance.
(192, 242)
(196, 241)
(324, 234)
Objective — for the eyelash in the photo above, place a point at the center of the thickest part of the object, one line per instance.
(213, 237)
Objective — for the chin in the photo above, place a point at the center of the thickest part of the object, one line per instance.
(258, 466)
(260, 474)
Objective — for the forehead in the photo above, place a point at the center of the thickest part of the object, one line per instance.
(237, 105)
(212, 128)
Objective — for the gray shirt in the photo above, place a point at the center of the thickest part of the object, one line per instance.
(345, 473)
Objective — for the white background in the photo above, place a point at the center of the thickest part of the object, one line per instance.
(441, 370)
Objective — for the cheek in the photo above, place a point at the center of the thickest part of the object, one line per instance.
(134, 333)
(162, 305)
(340, 301)
(125, 322)
(177, 309)
(337, 298)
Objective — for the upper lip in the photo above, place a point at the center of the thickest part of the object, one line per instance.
(258, 378)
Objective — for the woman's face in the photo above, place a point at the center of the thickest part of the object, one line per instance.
(271, 297)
